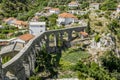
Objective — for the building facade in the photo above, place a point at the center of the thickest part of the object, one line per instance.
(35, 28)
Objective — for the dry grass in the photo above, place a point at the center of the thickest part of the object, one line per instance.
(96, 19)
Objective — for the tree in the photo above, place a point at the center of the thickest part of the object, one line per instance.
(35, 78)
(84, 5)
(113, 25)
(92, 70)
(97, 38)
(111, 61)
(108, 5)
(88, 29)
(52, 20)
(11, 8)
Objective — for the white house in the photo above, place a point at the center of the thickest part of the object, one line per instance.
(36, 28)
(73, 4)
(94, 6)
(54, 10)
(24, 38)
(118, 8)
(66, 18)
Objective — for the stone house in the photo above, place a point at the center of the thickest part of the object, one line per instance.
(20, 24)
(94, 6)
(73, 4)
(66, 18)
(54, 10)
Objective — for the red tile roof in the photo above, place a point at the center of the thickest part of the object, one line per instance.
(47, 8)
(18, 22)
(26, 37)
(84, 33)
(7, 19)
(73, 3)
(55, 9)
(67, 15)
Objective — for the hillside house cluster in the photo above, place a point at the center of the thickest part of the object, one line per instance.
(64, 18)
(46, 12)
(17, 23)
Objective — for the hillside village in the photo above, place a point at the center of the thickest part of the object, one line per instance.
(100, 38)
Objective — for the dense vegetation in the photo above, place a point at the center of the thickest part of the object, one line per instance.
(22, 9)
(109, 5)
(74, 63)
(9, 31)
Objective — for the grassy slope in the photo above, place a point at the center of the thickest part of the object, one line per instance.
(74, 55)
(68, 60)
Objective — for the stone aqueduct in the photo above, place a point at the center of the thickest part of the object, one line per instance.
(23, 64)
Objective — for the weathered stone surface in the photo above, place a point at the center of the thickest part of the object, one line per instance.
(22, 64)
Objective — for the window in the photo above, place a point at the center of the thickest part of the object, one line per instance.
(41, 26)
(40, 30)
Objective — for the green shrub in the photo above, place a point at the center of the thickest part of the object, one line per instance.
(98, 23)
(35, 78)
(92, 70)
(5, 59)
(97, 38)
